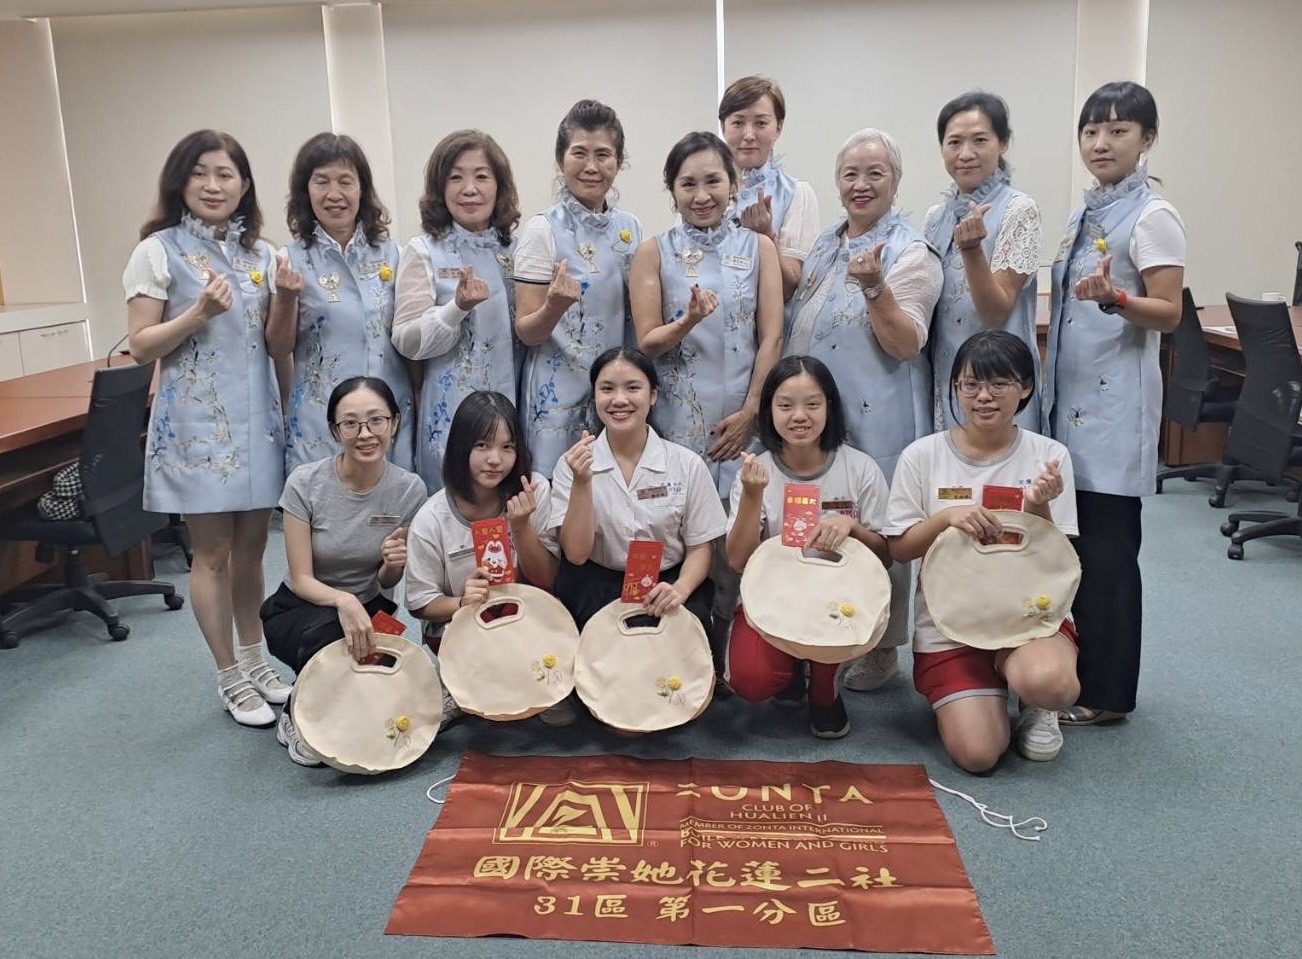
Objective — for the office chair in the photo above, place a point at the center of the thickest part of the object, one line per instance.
(1297, 278)
(1265, 433)
(112, 468)
(1195, 396)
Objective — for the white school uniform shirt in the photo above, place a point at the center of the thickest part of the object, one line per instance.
(672, 499)
(441, 549)
(850, 481)
(931, 476)
(799, 228)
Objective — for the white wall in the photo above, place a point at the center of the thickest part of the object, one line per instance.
(38, 243)
(893, 64)
(513, 69)
(1227, 78)
(131, 86)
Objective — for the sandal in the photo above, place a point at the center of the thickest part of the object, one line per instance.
(1085, 716)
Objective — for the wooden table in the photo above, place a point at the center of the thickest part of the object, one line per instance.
(41, 421)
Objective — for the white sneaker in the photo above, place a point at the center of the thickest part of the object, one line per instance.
(1038, 736)
(560, 715)
(245, 704)
(452, 713)
(871, 670)
(287, 735)
(267, 682)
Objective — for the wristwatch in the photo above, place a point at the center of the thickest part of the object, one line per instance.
(872, 292)
(1118, 306)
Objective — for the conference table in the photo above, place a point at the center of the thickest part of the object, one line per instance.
(41, 421)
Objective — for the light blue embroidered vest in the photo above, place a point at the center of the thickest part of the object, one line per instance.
(554, 388)
(1103, 382)
(888, 403)
(706, 376)
(777, 183)
(956, 317)
(484, 356)
(345, 317)
(216, 438)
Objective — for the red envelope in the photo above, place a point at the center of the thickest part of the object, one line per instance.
(641, 570)
(1004, 497)
(802, 505)
(493, 550)
(384, 623)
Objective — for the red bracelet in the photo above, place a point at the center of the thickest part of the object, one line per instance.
(1122, 299)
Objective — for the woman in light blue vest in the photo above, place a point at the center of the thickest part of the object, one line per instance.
(571, 282)
(707, 307)
(198, 290)
(770, 200)
(334, 308)
(454, 297)
(863, 307)
(1117, 283)
(989, 238)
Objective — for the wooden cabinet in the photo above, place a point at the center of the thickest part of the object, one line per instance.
(51, 347)
(11, 356)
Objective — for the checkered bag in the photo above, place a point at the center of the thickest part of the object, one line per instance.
(63, 501)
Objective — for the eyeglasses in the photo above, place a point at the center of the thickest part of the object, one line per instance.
(377, 425)
(971, 388)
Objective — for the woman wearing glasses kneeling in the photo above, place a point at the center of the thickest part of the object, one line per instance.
(346, 520)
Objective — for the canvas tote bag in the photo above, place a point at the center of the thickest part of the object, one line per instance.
(369, 719)
(1001, 595)
(511, 656)
(824, 607)
(644, 678)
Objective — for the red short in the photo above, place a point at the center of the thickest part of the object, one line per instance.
(957, 673)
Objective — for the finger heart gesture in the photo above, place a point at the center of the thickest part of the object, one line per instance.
(1098, 285)
(288, 280)
(563, 289)
(971, 230)
(471, 290)
(522, 505)
(866, 267)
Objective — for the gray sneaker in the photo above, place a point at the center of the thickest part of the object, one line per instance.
(452, 713)
(287, 735)
(1038, 737)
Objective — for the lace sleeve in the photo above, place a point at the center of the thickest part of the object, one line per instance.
(1017, 247)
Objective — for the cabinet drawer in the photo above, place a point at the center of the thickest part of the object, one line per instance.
(53, 346)
(11, 357)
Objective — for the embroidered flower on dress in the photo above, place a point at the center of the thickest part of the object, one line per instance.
(385, 273)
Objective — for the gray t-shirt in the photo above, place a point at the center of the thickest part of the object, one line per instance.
(348, 528)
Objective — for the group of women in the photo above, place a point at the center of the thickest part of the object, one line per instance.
(593, 386)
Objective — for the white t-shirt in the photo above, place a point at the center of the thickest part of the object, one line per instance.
(671, 499)
(931, 476)
(851, 483)
(799, 228)
(441, 549)
(1158, 237)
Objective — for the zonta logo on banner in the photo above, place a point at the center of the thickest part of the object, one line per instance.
(575, 812)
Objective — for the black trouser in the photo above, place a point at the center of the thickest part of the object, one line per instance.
(297, 630)
(584, 590)
(1109, 607)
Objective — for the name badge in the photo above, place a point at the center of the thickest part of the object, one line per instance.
(461, 553)
(954, 492)
(384, 520)
(449, 273)
(843, 506)
(736, 262)
(653, 492)
(244, 264)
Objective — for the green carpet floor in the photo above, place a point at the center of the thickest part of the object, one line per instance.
(140, 821)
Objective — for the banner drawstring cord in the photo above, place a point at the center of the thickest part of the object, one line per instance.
(429, 793)
(993, 818)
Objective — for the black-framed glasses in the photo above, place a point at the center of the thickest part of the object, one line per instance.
(377, 425)
(971, 388)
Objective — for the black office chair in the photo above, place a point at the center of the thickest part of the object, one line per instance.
(1297, 277)
(1194, 396)
(112, 469)
(1265, 432)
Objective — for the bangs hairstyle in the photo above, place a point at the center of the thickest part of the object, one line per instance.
(352, 385)
(747, 92)
(1123, 100)
(990, 106)
(834, 430)
(435, 218)
(170, 205)
(993, 354)
(325, 149)
(593, 117)
(697, 142)
(631, 355)
(476, 419)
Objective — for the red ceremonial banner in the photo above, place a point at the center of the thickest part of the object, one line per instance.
(825, 855)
